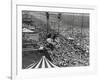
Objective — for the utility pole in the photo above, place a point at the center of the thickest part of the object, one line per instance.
(82, 25)
(73, 25)
(59, 19)
(47, 17)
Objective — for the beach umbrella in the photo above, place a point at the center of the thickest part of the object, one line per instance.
(42, 63)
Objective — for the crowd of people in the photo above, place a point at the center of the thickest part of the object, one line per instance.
(65, 52)
(66, 48)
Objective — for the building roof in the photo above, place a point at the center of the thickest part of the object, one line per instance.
(26, 30)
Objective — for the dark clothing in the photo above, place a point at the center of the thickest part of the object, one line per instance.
(50, 46)
(45, 53)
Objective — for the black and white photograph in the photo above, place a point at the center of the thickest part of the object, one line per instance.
(55, 39)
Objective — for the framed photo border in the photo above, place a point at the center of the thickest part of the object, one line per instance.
(12, 77)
